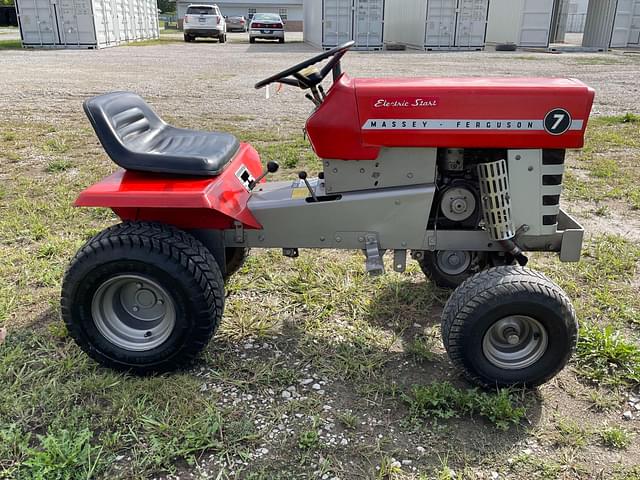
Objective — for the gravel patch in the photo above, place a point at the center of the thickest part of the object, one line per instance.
(206, 80)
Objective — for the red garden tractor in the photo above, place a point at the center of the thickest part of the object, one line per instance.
(464, 174)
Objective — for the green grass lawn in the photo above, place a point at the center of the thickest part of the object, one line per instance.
(368, 380)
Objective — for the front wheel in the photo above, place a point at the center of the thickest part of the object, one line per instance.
(509, 326)
(142, 297)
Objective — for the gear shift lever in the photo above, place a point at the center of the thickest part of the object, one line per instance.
(272, 167)
(303, 176)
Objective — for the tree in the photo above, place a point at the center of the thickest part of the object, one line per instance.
(165, 5)
(6, 2)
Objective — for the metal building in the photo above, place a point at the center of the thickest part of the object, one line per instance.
(86, 23)
(437, 24)
(328, 23)
(537, 23)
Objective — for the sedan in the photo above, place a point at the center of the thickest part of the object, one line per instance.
(268, 26)
(237, 24)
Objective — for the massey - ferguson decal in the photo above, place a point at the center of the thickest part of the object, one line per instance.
(555, 125)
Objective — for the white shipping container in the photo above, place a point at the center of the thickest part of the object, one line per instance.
(328, 23)
(86, 23)
(437, 24)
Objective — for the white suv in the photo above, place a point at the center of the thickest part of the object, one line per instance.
(204, 21)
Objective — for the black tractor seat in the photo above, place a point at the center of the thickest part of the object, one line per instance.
(137, 139)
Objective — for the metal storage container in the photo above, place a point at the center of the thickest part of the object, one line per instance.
(437, 24)
(86, 23)
(527, 23)
(328, 23)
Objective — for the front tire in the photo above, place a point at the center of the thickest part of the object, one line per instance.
(509, 326)
(142, 297)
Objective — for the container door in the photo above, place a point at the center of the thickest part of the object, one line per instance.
(472, 23)
(369, 23)
(440, 31)
(622, 24)
(106, 22)
(37, 22)
(536, 23)
(337, 22)
(75, 22)
(634, 37)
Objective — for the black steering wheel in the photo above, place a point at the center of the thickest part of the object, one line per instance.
(292, 76)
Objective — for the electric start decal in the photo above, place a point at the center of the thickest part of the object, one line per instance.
(447, 124)
(406, 102)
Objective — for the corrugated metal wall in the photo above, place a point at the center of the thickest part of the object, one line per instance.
(328, 23)
(599, 24)
(437, 24)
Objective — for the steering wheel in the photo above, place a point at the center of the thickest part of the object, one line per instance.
(293, 75)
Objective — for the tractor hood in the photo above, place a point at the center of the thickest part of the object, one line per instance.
(359, 116)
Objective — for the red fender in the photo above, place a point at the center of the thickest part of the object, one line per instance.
(186, 202)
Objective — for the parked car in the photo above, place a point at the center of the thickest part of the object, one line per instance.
(204, 21)
(237, 24)
(268, 26)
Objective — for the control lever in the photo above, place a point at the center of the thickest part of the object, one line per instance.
(272, 167)
(303, 176)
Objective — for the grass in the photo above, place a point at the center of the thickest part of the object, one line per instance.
(616, 437)
(319, 316)
(441, 400)
(604, 356)
(10, 44)
(606, 168)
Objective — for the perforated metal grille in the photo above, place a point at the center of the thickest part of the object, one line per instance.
(496, 203)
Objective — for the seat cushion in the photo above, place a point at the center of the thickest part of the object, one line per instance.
(137, 139)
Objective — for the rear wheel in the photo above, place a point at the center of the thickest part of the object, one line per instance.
(187, 38)
(509, 326)
(142, 297)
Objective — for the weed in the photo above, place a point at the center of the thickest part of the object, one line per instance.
(348, 419)
(57, 145)
(58, 165)
(308, 439)
(388, 469)
(63, 454)
(443, 400)
(569, 434)
(630, 118)
(616, 437)
(604, 356)
(602, 211)
(604, 400)
(422, 347)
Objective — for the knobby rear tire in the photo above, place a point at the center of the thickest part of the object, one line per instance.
(171, 258)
